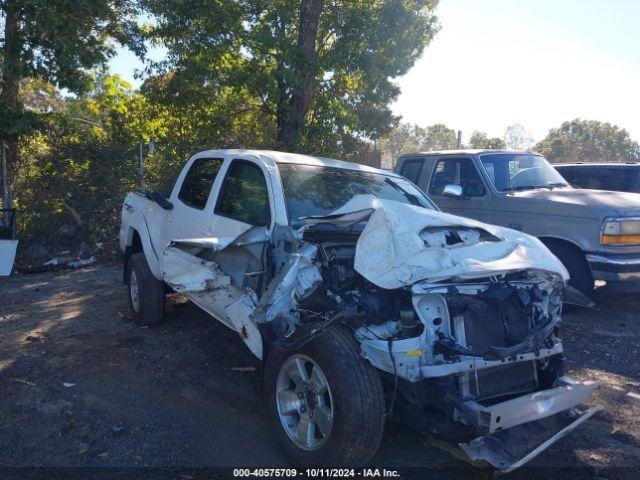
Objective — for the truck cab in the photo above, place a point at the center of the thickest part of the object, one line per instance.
(596, 234)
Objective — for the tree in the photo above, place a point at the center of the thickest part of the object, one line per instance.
(517, 137)
(321, 72)
(480, 140)
(40, 96)
(407, 137)
(440, 137)
(589, 141)
(57, 41)
(404, 138)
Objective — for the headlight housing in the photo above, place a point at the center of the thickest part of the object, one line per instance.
(620, 231)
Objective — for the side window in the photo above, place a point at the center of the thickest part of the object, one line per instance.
(244, 194)
(458, 171)
(599, 178)
(570, 175)
(580, 177)
(198, 181)
(616, 178)
(411, 169)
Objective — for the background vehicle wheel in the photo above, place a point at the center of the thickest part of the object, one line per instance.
(574, 261)
(325, 403)
(146, 292)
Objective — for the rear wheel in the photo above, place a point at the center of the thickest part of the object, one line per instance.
(146, 292)
(575, 262)
(325, 403)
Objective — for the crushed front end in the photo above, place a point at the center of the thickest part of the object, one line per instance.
(462, 318)
(487, 357)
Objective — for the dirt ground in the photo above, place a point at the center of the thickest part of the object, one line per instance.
(81, 385)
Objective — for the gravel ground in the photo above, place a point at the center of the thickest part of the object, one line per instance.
(82, 386)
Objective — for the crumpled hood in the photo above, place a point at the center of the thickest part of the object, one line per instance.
(404, 244)
(575, 201)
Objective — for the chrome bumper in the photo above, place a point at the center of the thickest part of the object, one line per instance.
(614, 268)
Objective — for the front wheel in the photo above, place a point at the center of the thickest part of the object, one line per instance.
(325, 403)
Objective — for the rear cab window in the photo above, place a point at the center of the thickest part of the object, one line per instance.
(600, 177)
(196, 186)
(412, 168)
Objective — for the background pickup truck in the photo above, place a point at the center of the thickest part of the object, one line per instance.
(596, 234)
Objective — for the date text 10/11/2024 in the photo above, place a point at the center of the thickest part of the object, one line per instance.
(316, 472)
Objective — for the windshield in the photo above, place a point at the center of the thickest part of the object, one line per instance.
(314, 190)
(521, 171)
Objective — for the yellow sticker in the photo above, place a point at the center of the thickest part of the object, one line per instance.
(414, 353)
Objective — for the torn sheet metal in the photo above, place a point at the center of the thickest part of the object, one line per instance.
(510, 449)
(296, 280)
(529, 407)
(7, 256)
(246, 236)
(233, 231)
(210, 286)
(401, 245)
(187, 273)
(241, 314)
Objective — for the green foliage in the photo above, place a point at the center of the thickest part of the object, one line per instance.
(15, 121)
(589, 141)
(77, 169)
(40, 96)
(71, 181)
(406, 138)
(480, 140)
(440, 137)
(60, 40)
(242, 59)
(57, 42)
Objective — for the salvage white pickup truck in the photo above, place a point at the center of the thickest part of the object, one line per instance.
(362, 299)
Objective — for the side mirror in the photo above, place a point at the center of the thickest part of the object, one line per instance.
(452, 190)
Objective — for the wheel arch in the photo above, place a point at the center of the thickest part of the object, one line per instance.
(547, 239)
(137, 239)
(133, 245)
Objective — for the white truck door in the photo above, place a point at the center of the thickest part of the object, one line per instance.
(192, 213)
(241, 202)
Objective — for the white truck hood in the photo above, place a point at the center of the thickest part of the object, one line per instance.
(403, 244)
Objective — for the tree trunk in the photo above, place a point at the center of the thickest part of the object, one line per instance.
(292, 114)
(11, 73)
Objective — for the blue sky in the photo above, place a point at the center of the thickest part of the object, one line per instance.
(535, 62)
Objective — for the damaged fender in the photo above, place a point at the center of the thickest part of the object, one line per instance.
(204, 282)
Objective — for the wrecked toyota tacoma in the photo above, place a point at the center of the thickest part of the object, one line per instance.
(363, 300)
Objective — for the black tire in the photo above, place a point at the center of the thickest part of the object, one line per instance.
(575, 262)
(357, 401)
(150, 302)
